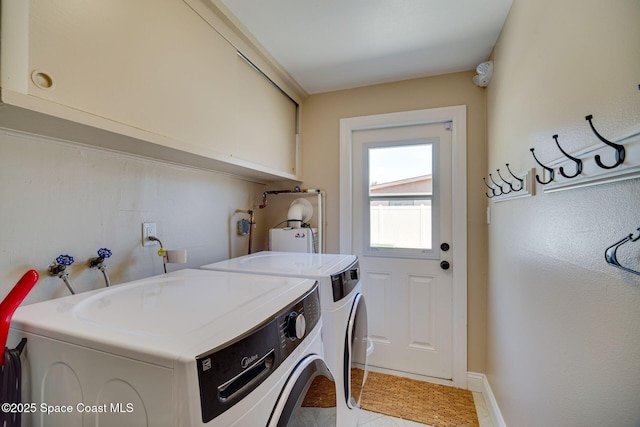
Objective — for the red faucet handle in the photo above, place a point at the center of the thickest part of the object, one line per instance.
(11, 302)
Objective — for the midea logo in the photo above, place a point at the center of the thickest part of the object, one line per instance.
(247, 360)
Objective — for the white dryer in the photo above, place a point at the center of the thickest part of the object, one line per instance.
(186, 349)
(344, 315)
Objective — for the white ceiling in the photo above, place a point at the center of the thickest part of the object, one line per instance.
(328, 45)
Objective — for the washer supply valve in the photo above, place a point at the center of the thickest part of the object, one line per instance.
(98, 262)
(59, 268)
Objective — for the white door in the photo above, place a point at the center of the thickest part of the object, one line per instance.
(401, 228)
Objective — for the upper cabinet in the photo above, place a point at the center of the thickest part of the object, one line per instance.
(266, 119)
(157, 73)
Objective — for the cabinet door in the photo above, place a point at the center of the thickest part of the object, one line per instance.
(150, 64)
(266, 120)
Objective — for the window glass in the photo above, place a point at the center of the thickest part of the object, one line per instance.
(400, 196)
(400, 224)
(400, 169)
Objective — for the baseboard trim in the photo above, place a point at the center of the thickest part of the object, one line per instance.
(479, 383)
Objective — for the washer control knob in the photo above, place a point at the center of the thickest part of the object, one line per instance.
(296, 326)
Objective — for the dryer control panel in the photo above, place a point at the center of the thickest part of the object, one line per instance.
(344, 282)
(230, 372)
(295, 322)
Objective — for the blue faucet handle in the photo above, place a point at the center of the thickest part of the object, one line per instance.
(104, 253)
(65, 259)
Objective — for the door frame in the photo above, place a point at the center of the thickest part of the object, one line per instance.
(457, 115)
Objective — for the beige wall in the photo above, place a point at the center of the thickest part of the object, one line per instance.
(321, 154)
(60, 197)
(563, 327)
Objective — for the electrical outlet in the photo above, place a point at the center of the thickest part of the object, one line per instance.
(148, 229)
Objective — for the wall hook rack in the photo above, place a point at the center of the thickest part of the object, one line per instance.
(493, 190)
(620, 153)
(577, 161)
(514, 188)
(498, 185)
(548, 169)
(506, 182)
(610, 254)
(519, 179)
(625, 145)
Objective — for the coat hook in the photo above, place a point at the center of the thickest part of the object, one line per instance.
(493, 190)
(619, 148)
(519, 179)
(610, 253)
(577, 161)
(551, 171)
(506, 182)
(498, 185)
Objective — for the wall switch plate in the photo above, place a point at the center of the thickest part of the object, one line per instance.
(148, 229)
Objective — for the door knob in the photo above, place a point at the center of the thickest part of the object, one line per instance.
(445, 247)
(445, 265)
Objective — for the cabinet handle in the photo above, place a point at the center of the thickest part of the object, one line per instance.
(42, 79)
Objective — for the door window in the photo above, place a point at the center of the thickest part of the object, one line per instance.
(402, 198)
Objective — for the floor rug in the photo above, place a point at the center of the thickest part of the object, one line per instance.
(420, 401)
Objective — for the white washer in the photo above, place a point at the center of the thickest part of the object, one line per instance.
(344, 316)
(190, 348)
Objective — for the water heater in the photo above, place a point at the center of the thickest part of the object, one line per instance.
(293, 240)
(297, 236)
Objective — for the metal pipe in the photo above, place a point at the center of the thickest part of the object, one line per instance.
(296, 189)
(65, 279)
(103, 268)
(252, 222)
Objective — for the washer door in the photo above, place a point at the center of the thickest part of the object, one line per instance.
(308, 397)
(355, 353)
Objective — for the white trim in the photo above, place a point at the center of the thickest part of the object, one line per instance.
(458, 116)
(475, 382)
(479, 383)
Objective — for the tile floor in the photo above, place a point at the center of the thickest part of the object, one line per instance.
(315, 417)
(373, 419)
